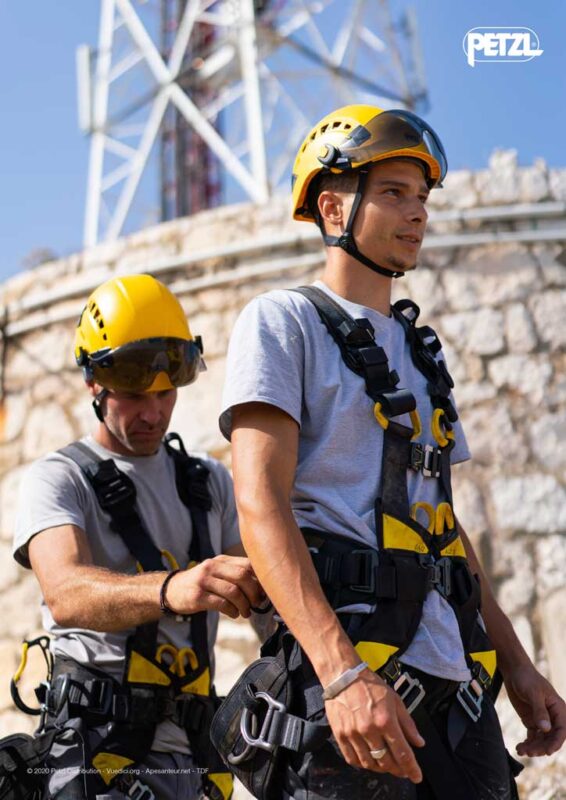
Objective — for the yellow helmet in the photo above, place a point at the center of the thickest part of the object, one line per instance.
(357, 135)
(133, 336)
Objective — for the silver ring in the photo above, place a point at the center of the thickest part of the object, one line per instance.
(377, 754)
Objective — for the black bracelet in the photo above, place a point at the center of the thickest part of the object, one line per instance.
(164, 605)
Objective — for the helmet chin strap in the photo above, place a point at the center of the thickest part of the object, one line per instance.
(96, 404)
(346, 240)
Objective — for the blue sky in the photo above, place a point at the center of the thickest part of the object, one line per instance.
(43, 156)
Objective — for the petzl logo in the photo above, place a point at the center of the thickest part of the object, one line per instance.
(501, 44)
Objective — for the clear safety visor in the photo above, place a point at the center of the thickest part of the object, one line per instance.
(133, 367)
(395, 131)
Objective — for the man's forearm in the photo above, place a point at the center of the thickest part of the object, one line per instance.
(101, 600)
(284, 567)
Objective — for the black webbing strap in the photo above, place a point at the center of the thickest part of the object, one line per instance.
(361, 353)
(191, 477)
(424, 345)
(116, 495)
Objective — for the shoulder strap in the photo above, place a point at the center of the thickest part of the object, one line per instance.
(191, 476)
(424, 345)
(116, 495)
(361, 353)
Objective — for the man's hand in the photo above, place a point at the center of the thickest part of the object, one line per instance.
(369, 715)
(541, 709)
(224, 583)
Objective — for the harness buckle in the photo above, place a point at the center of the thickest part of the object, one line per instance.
(470, 697)
(431, 461)
(410, 690)
(370, 562)
(140, 791)
(439, 575)
(262, 740)
(417, 457)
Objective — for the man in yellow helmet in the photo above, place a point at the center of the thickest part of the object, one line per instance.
(136, 548)
(344, 430)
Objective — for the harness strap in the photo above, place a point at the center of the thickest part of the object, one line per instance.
(361, 353)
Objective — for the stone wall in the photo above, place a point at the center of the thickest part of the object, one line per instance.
(492, 282)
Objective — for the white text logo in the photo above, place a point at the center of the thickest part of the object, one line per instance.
(501, 44)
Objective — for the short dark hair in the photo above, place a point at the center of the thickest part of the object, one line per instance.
(332, 182)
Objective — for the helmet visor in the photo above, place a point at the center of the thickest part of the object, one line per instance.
(133, 367)
(395, 131)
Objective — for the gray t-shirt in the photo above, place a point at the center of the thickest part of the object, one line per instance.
(280, 353)
(54, 492)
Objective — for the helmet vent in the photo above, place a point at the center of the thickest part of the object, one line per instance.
(97, 315)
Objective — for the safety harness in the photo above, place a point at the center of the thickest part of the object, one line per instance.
(160, 681)
(410, 560)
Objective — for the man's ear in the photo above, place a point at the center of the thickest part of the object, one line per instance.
(334, 208)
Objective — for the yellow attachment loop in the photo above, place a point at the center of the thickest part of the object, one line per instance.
(186, 654)
(380, 417)
(172, 561)
(444, 518)
(23, 662)
(384, 422)
(139, 568)
(417, 424)
(429, 511)
(171, 650)
(441, 436)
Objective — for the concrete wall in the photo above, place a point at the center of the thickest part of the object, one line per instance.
(492, 283)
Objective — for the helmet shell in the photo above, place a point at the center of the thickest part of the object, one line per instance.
(339, 130)
(128, 309)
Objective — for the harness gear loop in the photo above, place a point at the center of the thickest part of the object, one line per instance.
(43, 643)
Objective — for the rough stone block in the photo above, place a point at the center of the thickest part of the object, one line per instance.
(470, 394)
(9, 487)
(516, 564)
(500, 183)
(14, 410)
(9, 570)
(548, 434)
(21, 609)
(534, 182)
(492, 437)
(549, 312)
(48, 428)
(519, 329)
(425, 287)
(535, 503)
(553, 615)
(528, 375)
(479, 332)
(550, 564)
(198, 407)
(460, 188)
(470, 508)
(557, 180)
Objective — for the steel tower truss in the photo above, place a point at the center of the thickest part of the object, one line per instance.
(249, 88)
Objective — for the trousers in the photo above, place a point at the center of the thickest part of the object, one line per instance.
(481, 755)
